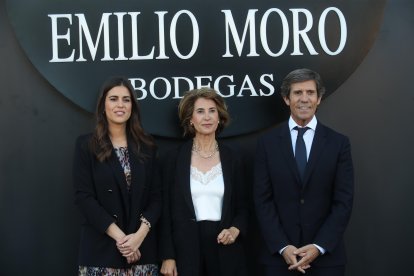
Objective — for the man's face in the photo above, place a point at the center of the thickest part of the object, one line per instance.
(303, 101)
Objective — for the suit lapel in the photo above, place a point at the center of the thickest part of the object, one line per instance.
(318, 143)
(286, 144)
(183, 173)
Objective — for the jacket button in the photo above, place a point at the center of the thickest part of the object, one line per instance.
(302, 201)
(115, 216)
(110, 190)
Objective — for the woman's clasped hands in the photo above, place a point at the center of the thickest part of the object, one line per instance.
(129, 245)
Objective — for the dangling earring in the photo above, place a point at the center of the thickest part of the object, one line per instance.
(191, 123)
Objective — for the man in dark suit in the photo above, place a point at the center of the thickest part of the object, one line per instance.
(303, 188)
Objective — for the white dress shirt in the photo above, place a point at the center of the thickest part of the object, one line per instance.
(307, 136)
(308, 139)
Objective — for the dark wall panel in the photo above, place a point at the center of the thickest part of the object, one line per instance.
(375, 108)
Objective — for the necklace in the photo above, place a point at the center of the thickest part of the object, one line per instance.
(208, 156)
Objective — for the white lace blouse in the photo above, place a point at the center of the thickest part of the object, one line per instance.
(207, 190)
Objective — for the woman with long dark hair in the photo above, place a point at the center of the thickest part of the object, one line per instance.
(116, 188)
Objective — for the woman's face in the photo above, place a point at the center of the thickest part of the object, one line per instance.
(205, 117)
(118, 105)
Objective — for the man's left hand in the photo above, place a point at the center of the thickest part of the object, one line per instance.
(307, 255)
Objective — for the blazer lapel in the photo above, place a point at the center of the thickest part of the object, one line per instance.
(138, 180)
(318, 143)
(183, 173)
(226, 167)
(286, 143)
(120, 179)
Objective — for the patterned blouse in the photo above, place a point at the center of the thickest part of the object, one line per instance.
(123, 156)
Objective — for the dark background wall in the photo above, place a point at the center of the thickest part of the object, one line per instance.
(374, 107)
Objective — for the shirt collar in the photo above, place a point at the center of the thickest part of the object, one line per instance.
(312, 124)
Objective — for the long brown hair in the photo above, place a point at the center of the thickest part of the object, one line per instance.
(100, 143)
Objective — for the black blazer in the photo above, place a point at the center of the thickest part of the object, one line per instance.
(315, 211)
(102, 197)
(179, 232)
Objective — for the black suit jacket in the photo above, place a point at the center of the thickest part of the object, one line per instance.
(179, 230)
(316, 210)
(102, 197)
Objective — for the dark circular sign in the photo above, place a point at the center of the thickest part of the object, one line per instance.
(242, 48)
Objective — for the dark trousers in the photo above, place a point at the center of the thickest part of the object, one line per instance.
(209, 260)
(312, 271)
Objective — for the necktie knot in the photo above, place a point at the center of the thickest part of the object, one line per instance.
(301, 130)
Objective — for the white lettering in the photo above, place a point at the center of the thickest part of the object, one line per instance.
(140, 88)
(56, 37)
(121, 48)
(177, 86)
(134, 28)
(321, 29)
(84, 29)
(302, 33)
(250, 26)
(173, 31)
(226, 89)
(161, 35)
(263, 32)
(267, 84)
(167, 88)
(247, 85)
(199, 80)
(230, 86)
(240, 39)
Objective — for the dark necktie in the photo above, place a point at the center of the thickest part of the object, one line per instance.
(300, 150)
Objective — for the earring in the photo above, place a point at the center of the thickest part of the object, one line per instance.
(191, 123)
